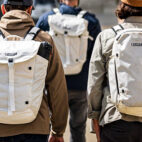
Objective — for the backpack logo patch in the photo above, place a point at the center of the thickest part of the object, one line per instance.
(136, 44)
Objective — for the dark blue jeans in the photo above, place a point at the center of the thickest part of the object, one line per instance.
(78, 115)
(122, 131)
(25, 138)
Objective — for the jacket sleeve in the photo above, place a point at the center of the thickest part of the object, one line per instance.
(57, 94)
(95, 80)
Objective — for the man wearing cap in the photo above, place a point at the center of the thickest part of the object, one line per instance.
(17, 20)
(76, 83)
(109, 124)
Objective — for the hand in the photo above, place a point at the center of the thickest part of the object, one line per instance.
(55, 139)
(97, 129)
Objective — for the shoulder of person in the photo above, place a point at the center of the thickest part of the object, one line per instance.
(104, 43)
(91, 18)
(107, 35)
(112, 32)
(45, 15)
(44, 36)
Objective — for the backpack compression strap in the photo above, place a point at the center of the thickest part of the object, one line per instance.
(1, 35)
(117, 28)
(32, 33)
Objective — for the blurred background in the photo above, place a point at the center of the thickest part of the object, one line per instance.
(104, 10)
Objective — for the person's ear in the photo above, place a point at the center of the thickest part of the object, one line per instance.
(3, 9)
(29, 10)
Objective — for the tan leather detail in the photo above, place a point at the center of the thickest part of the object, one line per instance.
(136, 111)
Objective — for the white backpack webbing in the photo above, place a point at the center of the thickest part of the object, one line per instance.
(32, 33)
(21, 78)
(117, 28)
(70, 35)
(125, 72)
(56, 10)
(81, 13)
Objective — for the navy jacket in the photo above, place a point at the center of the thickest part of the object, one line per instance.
(79, 81)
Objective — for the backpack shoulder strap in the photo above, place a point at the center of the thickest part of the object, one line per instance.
(117, 28)
(56, 10)
(32, 33)
(1, 35)
(81, 13)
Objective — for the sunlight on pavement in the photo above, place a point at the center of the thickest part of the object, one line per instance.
(89, 137)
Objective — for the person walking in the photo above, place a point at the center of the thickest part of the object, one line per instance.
(74, 32)
(114, 85)
(34, 68)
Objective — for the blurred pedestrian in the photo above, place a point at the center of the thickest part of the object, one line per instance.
(114, 85)
(42, 6)
(25, 74)
(74, 32)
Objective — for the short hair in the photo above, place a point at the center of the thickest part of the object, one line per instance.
(124, 11)
(15, 7)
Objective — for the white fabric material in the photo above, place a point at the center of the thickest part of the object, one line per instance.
(11, 101)
(125, 72)
(21, 81)
(1, 37)
(70, 35)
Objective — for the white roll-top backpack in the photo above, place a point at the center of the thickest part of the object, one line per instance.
(125, 71)
(23, 69)
(70, 35)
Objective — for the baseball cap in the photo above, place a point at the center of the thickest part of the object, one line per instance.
(134, 3)
(19, 2)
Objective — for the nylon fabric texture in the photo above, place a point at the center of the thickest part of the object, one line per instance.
(125, 82)
(23, 72)
(70, 35)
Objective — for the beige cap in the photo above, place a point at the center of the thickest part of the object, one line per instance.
(134, 3)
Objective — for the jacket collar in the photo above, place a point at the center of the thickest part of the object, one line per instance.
(65, 9)
(16, 19)
(134, 19)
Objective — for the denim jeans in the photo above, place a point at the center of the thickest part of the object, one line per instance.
(25, 138)
(122, 131)
(78, 115)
